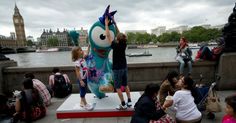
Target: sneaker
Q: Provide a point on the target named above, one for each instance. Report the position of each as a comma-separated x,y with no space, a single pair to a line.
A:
129,104
88,107
121,107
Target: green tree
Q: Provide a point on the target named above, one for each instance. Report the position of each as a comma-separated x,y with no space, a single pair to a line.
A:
165,37
199,34
131,38
52,42
174,36
153,38
139,38
29,43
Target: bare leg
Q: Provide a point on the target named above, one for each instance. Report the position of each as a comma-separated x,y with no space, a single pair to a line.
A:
83,101
127,90
119,92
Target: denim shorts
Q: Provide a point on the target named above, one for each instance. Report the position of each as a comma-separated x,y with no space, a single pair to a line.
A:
120,78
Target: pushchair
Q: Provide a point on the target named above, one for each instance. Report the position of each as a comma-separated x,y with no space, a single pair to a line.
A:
200,99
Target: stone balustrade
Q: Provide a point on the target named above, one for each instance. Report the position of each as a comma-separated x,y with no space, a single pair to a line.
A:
139,74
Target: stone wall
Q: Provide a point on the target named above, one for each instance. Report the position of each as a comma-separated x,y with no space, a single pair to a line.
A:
227,71
3,65
139,75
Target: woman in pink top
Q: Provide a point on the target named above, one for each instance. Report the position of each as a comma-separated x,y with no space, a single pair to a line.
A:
230,110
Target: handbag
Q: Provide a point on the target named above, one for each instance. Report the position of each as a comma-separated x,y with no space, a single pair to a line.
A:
213,102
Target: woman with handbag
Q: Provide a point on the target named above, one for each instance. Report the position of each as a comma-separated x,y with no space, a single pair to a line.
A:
184,54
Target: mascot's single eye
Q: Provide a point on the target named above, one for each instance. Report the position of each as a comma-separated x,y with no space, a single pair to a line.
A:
99,37
102,36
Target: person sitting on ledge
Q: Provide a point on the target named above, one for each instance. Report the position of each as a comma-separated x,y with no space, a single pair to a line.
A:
205,53
184,54
29,105
42,89
60,83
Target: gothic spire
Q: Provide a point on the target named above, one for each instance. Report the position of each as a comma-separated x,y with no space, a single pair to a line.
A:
16,12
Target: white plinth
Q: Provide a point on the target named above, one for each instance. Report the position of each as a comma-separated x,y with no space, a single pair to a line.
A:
105,107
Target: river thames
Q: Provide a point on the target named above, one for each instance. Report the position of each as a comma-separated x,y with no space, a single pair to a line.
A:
51,59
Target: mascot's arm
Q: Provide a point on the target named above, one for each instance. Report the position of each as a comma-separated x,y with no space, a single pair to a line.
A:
77,71
107,31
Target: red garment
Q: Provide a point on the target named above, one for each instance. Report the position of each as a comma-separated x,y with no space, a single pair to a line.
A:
216,51
198,55
228,119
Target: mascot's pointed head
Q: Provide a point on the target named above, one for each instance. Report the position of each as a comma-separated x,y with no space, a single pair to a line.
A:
97,35
107,14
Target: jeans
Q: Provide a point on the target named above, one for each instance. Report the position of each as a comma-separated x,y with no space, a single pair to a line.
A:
206,53
182,63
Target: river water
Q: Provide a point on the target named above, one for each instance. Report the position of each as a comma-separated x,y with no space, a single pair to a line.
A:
52,59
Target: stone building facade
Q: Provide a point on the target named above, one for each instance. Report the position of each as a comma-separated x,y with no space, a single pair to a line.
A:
62,37
9,42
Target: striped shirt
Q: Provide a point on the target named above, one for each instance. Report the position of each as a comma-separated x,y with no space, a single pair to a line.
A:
43,91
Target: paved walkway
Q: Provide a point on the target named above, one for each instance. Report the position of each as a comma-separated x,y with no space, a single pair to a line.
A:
51,114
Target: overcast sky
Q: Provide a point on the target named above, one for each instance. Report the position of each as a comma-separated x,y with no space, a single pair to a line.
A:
131,15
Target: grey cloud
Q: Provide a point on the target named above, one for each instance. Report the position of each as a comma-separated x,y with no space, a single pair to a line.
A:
135,14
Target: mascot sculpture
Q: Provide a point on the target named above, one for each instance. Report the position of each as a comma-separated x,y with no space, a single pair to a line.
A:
98,62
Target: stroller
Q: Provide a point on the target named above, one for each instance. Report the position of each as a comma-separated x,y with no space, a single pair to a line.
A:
202,93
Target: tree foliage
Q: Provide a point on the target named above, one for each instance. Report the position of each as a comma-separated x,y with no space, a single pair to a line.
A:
29,43
195,34
52,42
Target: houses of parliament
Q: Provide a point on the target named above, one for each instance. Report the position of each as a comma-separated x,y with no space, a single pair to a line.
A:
17,39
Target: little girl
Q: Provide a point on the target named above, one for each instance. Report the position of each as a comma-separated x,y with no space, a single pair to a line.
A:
230,110
81,70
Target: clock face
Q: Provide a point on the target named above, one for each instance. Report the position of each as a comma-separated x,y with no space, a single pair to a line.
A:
16,21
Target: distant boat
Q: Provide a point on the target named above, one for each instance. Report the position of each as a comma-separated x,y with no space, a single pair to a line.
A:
193,46
47,50
145,53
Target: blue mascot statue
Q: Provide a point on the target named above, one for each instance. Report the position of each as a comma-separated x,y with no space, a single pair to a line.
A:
99,65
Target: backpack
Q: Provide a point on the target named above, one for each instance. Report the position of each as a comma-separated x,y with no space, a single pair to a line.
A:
61,88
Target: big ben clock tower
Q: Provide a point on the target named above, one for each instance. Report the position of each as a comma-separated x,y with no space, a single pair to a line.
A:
19,28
